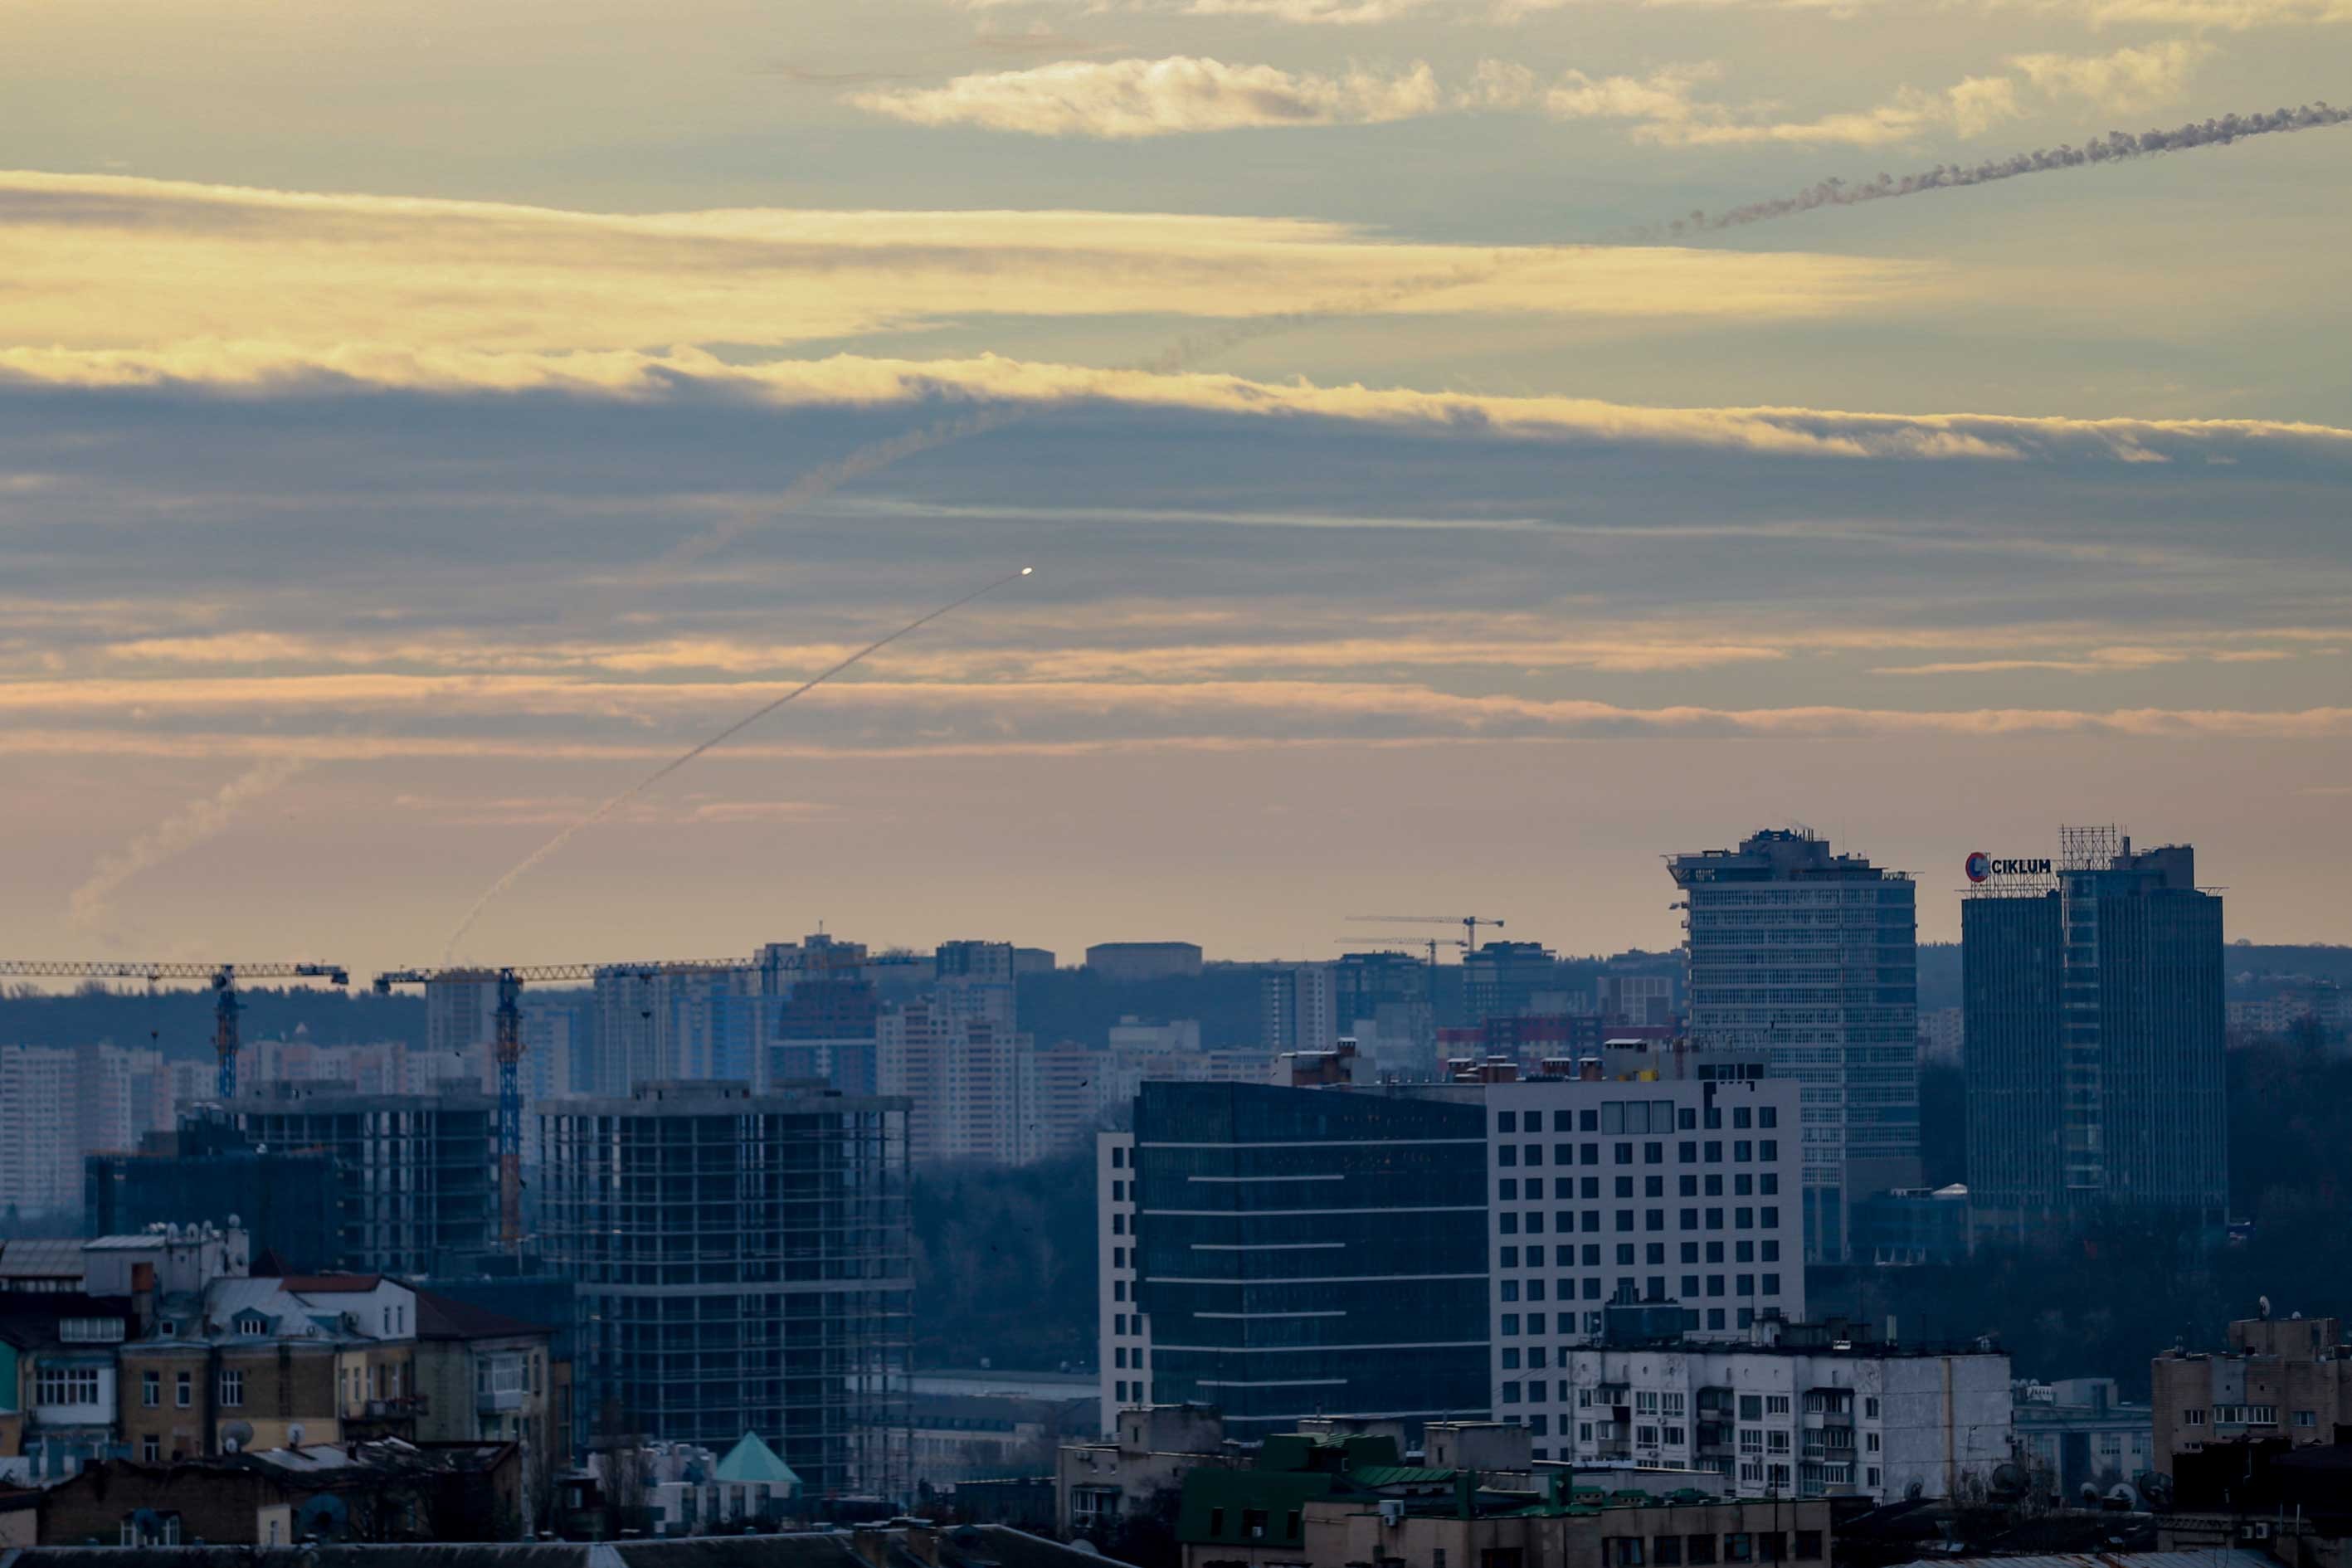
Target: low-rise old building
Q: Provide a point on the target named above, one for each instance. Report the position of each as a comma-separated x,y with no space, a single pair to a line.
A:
58,1380
2289,1377
2079,1433
483,1377
1139,1468
383,1490
1311,1502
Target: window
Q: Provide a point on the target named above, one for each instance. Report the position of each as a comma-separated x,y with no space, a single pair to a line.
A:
1666,1550
1510,1287
1775,1405
1510,1393
183,1389
1507,1122
1534,1155
1625,1551
150,1449
1510,1326
1740,1117
1740,1547
2193,1417
232,1387
1769,1116
1119,1159
1510,1222
1751,1407
150,1389
67,1385
1808,1542
1699,1550
2306,1418
1870,1405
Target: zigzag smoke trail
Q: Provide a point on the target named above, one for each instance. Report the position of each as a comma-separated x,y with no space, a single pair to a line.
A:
634,791
2116,147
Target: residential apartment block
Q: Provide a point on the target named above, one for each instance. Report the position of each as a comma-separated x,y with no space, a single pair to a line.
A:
2280,1377
1813,958
1808,1410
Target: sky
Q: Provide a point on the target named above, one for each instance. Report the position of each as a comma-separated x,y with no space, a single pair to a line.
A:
419,422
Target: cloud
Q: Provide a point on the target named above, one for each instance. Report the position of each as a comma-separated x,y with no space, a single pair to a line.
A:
867,382
105,262
1134,98
1665,107
2122,82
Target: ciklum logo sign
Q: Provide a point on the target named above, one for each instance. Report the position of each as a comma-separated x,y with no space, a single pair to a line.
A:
1983,868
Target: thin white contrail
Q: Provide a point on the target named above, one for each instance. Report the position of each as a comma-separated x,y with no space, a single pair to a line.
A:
634,791
204,817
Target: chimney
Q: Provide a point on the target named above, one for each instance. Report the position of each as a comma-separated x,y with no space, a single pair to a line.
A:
872,1545
923,1540
142,1297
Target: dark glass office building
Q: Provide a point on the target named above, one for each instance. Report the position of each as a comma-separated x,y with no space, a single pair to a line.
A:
204,1171
1313,1252
2094,1016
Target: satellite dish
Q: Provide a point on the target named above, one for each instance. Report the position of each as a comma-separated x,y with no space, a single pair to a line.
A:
1915,1491
294,1436
323,1518
2008,1480
236,1436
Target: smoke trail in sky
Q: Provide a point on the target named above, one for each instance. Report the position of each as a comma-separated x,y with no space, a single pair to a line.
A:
1190,350
2116,147
651,779
200,819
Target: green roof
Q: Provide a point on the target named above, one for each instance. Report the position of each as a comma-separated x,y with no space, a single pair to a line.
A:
750,1461
1399,1476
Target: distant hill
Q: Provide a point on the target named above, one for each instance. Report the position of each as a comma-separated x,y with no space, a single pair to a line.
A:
180,1023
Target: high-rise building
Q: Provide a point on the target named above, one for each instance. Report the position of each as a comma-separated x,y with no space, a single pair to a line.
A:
204,1172
414,1180
1131,961
743,1266
2095,1018
1503,979
966,1077
1662,1184
1307,1252
1813,958
59,1105
817,1015
1382,1001
1296,1007
682,1021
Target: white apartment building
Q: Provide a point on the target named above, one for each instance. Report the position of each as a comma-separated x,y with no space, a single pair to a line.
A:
972,1079
1653,1186
57,1105
1124,1334
1790,1419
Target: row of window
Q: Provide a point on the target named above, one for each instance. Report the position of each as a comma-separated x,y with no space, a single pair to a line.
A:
1509,1189
1688,1152
1510,1221
2246,1415
1699,1550
1566,1324
1566,1255
1742,1285
1631,1116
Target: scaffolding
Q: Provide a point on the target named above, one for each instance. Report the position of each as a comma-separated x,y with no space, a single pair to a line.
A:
743,1263
413,1179
2089,848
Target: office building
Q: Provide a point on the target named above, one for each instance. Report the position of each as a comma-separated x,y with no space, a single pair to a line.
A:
818,1011
414,1177
742,1266
1504,979
2077,1432
2096,1028
1296,1007
1813,958
1810,1409
2279,1378
1123,962
1382,1001
285,1199
1636,998
1306,1251
1668,1185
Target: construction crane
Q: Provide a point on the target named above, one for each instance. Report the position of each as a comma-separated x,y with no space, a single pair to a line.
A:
506,1043
1469,924
223,978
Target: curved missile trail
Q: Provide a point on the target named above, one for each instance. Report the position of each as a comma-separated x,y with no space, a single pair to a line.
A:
449,951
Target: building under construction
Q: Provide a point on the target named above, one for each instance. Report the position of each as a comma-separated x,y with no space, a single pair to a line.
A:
743,1264
415,1181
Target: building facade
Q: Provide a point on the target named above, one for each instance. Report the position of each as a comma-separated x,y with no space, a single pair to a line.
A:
1122,962
2288,1378
1305,1252
1663,1192
2096,1026
1812,957
743,1266
415,1176
1820,1411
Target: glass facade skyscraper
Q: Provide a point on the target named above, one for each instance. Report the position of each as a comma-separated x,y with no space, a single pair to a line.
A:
2095,1018
1301,1252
